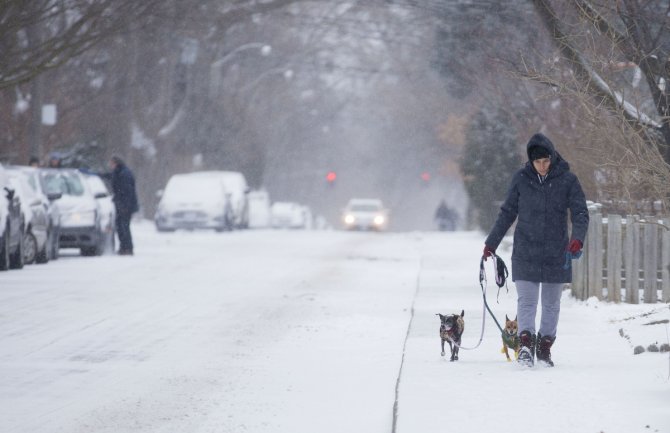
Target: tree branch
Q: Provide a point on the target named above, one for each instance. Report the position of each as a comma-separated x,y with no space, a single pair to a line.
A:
592,82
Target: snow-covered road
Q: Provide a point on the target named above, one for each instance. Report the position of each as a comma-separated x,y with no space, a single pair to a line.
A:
295,331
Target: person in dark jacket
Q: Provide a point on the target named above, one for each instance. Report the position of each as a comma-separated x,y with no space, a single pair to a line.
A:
445,217
539,198
125,201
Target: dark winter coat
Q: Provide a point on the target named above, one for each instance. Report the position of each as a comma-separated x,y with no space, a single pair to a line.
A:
541,210
123,189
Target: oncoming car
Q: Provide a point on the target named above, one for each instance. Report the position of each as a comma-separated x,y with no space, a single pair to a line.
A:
365,214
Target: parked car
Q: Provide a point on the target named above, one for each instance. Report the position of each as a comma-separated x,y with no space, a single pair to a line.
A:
193,201
80,216
36,234
11,225
365,214
107,209
259,209
236,186
48,202
287,215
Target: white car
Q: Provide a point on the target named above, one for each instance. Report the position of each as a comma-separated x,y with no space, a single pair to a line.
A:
237,189
80,216
11,225
37,235
107,209
287,215
48,200
259,209
194,201
365,214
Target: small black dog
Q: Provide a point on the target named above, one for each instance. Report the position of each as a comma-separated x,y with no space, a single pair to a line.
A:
451,330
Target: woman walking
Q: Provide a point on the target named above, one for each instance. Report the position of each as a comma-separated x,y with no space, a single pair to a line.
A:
539,198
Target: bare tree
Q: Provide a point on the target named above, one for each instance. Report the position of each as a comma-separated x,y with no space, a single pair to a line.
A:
40,35
614,61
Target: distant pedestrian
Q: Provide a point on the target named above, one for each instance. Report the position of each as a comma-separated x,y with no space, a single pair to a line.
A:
539,198
445,217
34,161
125,201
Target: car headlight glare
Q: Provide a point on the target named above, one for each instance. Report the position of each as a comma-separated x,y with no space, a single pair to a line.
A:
86,218
379,220
349,219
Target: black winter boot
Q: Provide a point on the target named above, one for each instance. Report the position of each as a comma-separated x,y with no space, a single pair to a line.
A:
544,349
527,349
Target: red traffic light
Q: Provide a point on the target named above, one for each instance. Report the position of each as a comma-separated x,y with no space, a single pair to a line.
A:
331,176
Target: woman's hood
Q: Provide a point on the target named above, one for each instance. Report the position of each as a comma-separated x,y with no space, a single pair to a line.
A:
541,140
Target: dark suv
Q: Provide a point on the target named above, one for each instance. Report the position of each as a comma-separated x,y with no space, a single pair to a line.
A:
11,226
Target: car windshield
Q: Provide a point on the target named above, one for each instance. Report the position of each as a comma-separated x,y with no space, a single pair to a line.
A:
64,183
364,207
194,189
30,178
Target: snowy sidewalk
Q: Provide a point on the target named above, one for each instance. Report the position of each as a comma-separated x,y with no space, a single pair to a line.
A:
598,385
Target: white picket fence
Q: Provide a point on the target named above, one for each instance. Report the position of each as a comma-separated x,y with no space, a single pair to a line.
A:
625,259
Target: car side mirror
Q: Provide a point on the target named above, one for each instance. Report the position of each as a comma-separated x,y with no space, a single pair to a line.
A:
159,193
101,195
54,196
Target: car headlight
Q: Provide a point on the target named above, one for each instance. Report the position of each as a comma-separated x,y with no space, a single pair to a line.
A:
349,219
379,220
78,219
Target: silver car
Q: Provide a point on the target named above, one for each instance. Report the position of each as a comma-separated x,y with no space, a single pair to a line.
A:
47,199
37,235
80,216
365,214
11,225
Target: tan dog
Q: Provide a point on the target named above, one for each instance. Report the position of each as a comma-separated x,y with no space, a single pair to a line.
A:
510,338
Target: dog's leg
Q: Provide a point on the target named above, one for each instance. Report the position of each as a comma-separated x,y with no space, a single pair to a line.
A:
451,349
504,350
443,347
454,356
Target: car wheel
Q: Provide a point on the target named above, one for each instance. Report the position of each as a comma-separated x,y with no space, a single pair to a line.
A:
29,248
4,250
16,258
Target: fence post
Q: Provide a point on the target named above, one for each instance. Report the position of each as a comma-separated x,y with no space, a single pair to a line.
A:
665,262
614,258
650,263
631,258
595,255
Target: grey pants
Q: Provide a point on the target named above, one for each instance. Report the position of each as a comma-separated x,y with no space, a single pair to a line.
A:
528,293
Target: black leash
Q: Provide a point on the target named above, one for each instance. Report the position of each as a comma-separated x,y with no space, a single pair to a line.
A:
501,280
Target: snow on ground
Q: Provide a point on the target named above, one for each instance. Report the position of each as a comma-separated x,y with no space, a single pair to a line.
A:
297,331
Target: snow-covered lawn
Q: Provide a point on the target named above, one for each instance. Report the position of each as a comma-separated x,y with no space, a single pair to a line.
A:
298,331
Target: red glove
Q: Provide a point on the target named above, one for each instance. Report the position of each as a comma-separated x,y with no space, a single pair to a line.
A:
488,252
575,246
